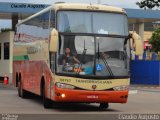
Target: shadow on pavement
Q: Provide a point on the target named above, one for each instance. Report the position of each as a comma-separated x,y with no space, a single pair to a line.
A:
76,107
63,107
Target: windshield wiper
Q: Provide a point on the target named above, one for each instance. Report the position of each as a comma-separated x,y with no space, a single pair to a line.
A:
84,50
105,62
107,66
98,53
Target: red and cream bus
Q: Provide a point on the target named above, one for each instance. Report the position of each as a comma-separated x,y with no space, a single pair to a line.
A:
73,53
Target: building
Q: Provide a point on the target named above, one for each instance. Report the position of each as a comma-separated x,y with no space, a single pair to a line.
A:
138,21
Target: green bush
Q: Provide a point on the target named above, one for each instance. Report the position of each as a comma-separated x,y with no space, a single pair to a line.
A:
6,29
155,40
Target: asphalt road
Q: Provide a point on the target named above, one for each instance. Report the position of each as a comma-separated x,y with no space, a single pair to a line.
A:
141,101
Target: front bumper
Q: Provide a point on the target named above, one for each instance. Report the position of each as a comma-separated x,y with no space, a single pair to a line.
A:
67,95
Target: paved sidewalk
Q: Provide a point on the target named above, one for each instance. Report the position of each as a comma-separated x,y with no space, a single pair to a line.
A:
7,87
145,86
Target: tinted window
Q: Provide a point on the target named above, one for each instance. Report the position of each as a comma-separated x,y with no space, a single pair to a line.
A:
6,51
36,28
92,22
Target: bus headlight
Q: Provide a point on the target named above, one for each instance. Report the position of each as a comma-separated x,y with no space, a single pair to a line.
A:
119,88
64,86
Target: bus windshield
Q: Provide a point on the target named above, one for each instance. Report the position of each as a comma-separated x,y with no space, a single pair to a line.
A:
93,56
92,22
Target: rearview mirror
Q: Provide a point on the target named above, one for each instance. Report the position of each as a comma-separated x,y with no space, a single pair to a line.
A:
137,44
53,41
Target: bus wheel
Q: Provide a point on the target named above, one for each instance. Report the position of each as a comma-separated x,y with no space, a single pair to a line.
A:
21,93
104,105
19,89
46,103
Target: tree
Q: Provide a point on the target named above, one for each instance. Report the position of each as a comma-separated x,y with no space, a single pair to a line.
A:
5,29
155,40
148,4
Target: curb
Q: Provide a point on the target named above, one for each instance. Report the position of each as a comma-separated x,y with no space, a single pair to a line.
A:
144,87
133,92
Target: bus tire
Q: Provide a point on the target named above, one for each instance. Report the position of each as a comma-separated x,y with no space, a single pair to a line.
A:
104,105
46,102
16,84
19,89
21,92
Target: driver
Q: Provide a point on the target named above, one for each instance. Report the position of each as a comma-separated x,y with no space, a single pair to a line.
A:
68,58
104,55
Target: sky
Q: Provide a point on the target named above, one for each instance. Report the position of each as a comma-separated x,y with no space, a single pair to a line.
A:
119,3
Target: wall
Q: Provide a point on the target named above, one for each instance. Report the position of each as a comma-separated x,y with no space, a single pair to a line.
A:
145,72
6,65
147,35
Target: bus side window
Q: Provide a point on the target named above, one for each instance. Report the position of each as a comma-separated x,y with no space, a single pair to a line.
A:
52,64
51,26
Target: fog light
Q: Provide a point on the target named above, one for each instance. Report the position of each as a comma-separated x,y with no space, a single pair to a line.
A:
63,95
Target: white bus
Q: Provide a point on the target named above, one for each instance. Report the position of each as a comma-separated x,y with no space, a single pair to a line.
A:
73,53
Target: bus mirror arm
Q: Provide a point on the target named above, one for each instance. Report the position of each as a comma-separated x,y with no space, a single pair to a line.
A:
137,43
53,41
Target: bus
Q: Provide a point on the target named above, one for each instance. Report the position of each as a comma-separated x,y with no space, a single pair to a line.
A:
72,52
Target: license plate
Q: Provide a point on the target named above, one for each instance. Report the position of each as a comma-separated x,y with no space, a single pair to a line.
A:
92,96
